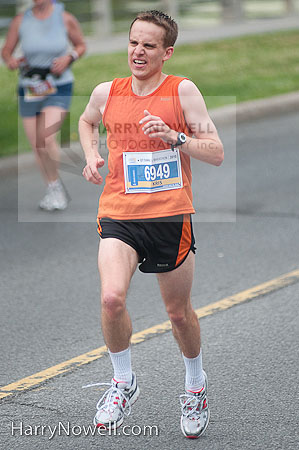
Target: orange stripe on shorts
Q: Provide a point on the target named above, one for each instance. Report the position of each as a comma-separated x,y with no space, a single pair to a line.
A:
185,242
99,226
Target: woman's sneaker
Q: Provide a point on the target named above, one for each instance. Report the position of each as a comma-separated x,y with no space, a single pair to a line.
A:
56,197
195,412
115,403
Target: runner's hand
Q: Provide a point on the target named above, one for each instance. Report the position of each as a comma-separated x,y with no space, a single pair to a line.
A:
60,64
13,63
155,128
90,171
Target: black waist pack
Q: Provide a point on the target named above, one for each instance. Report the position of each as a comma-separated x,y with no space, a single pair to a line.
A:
42,72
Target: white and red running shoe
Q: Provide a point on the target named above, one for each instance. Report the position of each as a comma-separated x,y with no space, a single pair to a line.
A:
195,412
115,403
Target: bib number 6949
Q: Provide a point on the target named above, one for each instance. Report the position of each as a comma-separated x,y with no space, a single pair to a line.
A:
151,173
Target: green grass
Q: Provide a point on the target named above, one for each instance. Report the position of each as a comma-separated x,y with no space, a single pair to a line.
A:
245,68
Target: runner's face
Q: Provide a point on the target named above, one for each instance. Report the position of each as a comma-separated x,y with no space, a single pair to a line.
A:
146,52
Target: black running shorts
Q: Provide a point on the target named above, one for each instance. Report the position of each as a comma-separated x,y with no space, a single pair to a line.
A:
162,244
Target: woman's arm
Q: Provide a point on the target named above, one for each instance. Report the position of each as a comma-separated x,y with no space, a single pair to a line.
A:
76,37
11,41
75,34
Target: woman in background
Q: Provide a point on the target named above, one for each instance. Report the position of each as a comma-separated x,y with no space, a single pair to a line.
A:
45,83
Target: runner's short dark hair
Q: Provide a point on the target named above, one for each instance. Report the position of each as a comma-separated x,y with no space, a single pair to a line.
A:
162,20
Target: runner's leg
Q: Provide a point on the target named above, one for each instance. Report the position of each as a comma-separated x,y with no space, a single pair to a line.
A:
49,123
117,263
175,287
176,290
30,127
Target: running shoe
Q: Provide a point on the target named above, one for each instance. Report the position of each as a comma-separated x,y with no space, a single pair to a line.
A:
55,198
195,412
116,403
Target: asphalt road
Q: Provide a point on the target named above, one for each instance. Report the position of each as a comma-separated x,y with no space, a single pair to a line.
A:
246,227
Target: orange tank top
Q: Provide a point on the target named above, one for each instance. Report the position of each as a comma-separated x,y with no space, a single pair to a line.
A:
121,118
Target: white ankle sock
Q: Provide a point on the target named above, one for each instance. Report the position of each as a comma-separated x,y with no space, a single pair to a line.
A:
55,183
194,380
121,362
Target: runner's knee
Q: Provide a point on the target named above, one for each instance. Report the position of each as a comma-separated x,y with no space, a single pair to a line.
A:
113,303
180,315
43,143
178,318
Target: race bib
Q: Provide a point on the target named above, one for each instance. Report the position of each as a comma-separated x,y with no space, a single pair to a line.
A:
37,89
152,171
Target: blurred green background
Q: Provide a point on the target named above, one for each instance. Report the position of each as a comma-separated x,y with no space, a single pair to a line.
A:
191,13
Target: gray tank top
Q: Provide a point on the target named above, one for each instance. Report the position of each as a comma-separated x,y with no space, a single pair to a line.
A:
43,40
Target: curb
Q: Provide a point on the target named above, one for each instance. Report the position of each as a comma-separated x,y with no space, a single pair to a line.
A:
225,115
256,109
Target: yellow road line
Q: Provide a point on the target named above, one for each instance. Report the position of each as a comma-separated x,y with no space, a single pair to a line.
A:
226,303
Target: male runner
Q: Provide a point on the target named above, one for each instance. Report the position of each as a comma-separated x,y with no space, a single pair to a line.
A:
145,209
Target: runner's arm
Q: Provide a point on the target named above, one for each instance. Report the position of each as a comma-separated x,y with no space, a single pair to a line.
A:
206,144
89,132
75,33
11,41
76,37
